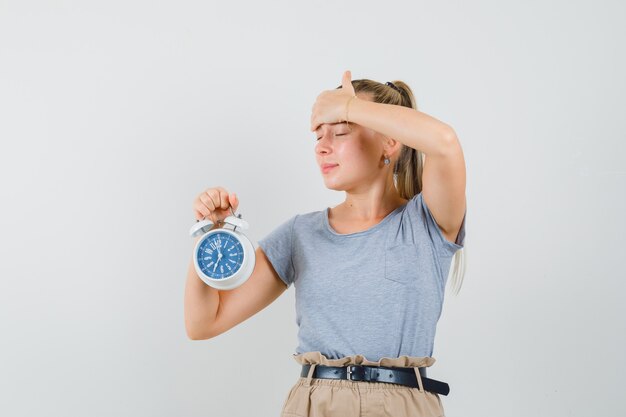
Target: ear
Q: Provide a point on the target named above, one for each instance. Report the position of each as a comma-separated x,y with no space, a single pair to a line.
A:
391,146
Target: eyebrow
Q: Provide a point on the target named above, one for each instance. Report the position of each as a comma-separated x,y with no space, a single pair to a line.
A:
331,124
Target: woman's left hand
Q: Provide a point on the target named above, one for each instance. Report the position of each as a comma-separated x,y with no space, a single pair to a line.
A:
330,105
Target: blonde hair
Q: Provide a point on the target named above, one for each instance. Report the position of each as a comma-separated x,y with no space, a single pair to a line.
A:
407,171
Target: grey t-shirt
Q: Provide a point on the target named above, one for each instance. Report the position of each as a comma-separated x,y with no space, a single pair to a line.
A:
377,293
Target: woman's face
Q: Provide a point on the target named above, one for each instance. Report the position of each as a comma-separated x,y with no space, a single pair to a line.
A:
357,152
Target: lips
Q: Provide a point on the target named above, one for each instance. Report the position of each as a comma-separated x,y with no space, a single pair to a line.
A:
328,167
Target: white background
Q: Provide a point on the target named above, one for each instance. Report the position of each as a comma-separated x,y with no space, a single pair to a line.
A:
115,115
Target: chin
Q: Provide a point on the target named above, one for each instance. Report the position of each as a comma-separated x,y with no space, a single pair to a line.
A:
333,186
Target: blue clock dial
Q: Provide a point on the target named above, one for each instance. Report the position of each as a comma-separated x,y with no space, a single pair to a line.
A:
220,255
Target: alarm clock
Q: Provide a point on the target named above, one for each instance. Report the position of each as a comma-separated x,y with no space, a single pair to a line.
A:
224,257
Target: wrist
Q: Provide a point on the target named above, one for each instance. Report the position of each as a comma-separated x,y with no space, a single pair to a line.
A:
347,109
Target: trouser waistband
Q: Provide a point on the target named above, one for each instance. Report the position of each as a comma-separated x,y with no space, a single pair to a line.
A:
392,375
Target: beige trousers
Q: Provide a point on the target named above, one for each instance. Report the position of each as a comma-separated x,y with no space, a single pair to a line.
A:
318,397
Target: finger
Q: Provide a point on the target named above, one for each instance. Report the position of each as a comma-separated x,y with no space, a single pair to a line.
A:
204,207
209,199
346,82
199,215
201,211
223,199
233,201
222,203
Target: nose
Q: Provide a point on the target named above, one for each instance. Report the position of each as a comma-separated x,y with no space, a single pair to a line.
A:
324,144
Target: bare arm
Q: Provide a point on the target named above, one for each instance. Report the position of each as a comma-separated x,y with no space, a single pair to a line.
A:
443,187
201,302
444,167
210,312
411,127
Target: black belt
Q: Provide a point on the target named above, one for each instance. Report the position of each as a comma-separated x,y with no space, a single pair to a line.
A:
401,376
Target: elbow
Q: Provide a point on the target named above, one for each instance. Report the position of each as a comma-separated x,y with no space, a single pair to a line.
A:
449,143
194,334
190,334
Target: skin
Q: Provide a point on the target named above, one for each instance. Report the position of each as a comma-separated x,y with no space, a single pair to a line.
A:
361,174
377,130
368,184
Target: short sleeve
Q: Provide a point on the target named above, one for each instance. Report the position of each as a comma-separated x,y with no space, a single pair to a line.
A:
277,246
436,234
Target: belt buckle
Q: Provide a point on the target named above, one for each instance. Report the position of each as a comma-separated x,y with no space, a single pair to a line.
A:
350,371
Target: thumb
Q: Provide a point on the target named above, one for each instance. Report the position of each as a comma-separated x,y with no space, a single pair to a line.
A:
346,82
234,201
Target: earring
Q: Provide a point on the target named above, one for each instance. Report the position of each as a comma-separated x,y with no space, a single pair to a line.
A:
387,161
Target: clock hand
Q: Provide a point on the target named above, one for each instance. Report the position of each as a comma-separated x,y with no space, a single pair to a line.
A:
219,257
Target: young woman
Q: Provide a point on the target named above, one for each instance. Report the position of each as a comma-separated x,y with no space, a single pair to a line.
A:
370,273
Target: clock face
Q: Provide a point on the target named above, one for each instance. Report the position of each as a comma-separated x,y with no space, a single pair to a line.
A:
220,255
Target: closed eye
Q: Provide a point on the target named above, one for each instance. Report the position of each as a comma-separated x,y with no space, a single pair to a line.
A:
341,134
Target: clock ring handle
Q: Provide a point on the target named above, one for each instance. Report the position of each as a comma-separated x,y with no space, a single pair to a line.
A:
232,212
222,221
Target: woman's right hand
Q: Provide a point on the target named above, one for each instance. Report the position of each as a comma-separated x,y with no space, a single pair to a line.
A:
215,204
